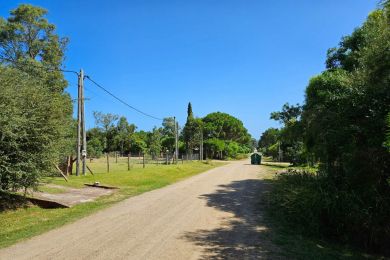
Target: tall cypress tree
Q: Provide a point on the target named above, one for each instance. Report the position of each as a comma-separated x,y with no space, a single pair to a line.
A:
190,115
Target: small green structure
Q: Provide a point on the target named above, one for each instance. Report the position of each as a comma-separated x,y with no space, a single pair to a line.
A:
256,158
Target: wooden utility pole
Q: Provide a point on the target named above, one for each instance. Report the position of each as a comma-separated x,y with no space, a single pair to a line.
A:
84,134
78,148
81,149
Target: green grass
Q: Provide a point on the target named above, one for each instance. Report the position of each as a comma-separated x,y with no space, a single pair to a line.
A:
24,223
293,243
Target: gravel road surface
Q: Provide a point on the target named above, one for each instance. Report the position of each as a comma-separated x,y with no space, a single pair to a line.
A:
213,215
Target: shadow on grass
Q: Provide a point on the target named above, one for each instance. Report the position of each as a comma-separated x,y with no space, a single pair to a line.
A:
9,201
276,165
246,236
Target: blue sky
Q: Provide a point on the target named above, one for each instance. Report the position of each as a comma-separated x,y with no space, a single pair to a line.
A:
246,58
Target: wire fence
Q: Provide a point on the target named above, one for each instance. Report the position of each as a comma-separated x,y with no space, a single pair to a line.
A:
115,162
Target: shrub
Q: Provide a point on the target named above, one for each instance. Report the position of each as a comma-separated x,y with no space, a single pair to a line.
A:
317,206
31,129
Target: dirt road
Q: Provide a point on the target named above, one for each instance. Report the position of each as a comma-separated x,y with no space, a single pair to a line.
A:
211,215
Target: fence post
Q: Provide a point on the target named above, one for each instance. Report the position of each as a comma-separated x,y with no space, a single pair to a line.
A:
143,160
128,161
108,162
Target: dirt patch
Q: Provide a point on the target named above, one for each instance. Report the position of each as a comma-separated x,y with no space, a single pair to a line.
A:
72,196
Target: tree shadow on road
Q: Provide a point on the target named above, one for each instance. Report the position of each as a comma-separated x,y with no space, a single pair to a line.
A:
247,235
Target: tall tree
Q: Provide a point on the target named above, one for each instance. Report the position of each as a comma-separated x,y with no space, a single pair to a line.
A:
154,142
29,42
190,114
191,130
107,123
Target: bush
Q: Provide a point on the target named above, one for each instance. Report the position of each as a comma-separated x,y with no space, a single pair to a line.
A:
31,129
316,206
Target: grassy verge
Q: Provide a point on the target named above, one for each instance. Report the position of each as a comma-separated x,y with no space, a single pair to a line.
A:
24,223
294,242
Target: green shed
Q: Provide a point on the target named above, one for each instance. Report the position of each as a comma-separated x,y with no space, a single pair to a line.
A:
256,158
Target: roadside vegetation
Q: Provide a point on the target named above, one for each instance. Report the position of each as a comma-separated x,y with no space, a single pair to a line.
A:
342,130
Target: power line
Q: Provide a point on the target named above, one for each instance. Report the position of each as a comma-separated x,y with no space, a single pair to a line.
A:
86,76
40,66
120,100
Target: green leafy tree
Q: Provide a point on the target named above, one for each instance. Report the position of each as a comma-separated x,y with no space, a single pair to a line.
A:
344,119
123,134
95,142
214,148
106,122
269,138
225,127
154,142
29,42
138,142
30,126
192,130
291,135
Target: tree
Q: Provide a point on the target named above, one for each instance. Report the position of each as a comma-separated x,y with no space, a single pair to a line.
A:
154,142
138,142
344,119
30,136
29,42
214,148
106,123
95,142
269,137
225,127
192,130
290,136
288,114
123,134
168,127
190,114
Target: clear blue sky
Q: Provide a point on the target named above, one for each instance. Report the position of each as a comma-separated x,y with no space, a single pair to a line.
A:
246,58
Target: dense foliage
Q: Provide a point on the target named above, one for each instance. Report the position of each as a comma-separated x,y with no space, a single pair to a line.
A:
30,137
224,136
36,114
344,127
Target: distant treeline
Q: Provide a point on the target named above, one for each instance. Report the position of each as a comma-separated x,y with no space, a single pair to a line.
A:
223,136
